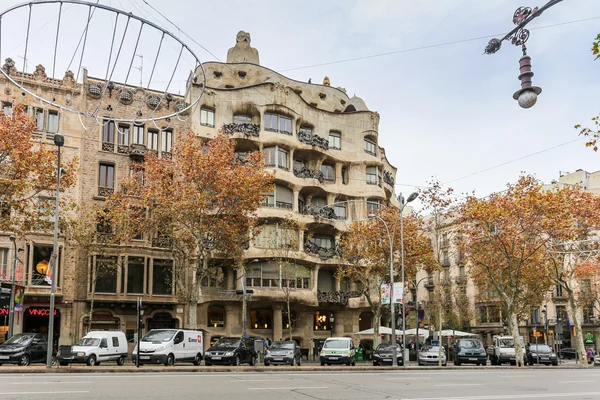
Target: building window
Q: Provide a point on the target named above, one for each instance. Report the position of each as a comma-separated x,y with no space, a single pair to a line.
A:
321,322
271,275
5,273
370,147
162,277
372,174
123,135
325,242
278,123
39,119
365,321
261,319
53,121
153,139
108,131
136,267
559,291
167,140
138,134
273,236
345,178
277,157
328,172
216,317
105,275
41,265
588,315
107,177
242,119
535,315
207,117
281,197
561,313
340,211
335,140
7,108
373,206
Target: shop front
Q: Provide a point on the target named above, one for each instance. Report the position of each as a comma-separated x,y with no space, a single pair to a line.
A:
36,320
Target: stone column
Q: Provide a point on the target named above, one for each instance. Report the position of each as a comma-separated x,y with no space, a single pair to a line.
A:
338,284
230,279
238,283
315,278
301,240
277,322
296,197
338,324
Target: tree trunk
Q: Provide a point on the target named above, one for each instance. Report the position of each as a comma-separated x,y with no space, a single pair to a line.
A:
94,279
193,299
440,349
579,345
289,315
513,327
376,325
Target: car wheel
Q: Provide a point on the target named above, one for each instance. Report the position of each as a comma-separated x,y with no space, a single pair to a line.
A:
253,361
91,361
375,364
121,361
555,363
238,360
293,363
444,364
198,360
62,364
322,364
97,363
457,362
170,360
207,364
267,364
353,363
24,360
400,363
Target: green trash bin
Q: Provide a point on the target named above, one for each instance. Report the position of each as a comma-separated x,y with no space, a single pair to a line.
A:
359,354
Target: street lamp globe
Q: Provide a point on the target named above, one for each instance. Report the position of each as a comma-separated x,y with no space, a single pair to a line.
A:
527,99
59,140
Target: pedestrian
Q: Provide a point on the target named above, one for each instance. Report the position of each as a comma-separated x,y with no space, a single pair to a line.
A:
590,355
267,344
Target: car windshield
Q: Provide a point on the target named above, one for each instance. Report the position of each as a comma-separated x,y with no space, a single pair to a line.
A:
227,342
89,342
542,348
431,349
159,335
336,344
283,346
19,339
507,343
469,344
387,347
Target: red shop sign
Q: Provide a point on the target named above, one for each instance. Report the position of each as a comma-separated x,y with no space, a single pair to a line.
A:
39,312
4,311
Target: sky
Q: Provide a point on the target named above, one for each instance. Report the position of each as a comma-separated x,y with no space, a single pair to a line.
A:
446,109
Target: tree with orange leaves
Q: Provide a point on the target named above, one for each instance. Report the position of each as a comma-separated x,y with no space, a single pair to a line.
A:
202,201
27,173
366,247
574,250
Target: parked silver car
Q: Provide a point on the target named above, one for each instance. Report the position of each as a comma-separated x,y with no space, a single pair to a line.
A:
429,355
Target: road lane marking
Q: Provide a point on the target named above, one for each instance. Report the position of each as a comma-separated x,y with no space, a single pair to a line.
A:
289,388
458,384
48,383
259,380
577,382
508,396
60,392
408,377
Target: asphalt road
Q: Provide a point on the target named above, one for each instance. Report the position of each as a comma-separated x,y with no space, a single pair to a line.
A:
392,385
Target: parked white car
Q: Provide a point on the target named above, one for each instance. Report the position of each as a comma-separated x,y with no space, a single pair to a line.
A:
338,350
168,346
94,348
429,355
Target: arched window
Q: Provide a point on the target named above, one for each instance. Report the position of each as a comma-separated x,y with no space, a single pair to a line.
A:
215,317
262,319
365,321
284,319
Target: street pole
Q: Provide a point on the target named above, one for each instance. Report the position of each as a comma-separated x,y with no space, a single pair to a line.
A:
404,349
59,141
11,306
417,308
244,311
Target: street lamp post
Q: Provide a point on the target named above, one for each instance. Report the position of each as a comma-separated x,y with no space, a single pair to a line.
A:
59,141
416,284
331,321
11,306
527,95
403,203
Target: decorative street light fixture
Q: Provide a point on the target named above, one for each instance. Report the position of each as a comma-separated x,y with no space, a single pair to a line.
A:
59,141
11,306
527,95
331,321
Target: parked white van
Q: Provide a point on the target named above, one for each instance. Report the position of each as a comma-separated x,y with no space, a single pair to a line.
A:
167,346
94,348
338,350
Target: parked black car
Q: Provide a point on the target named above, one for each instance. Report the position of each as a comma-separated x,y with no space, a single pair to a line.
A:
568,354
383,354
469,351
283,352
540,354
231,351
24,349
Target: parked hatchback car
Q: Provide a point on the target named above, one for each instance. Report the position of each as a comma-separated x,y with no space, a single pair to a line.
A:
540,354
231,351
283,352
469,351
429,355
382,355
24,349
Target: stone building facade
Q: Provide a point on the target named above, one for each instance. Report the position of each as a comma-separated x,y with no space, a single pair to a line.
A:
323,146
